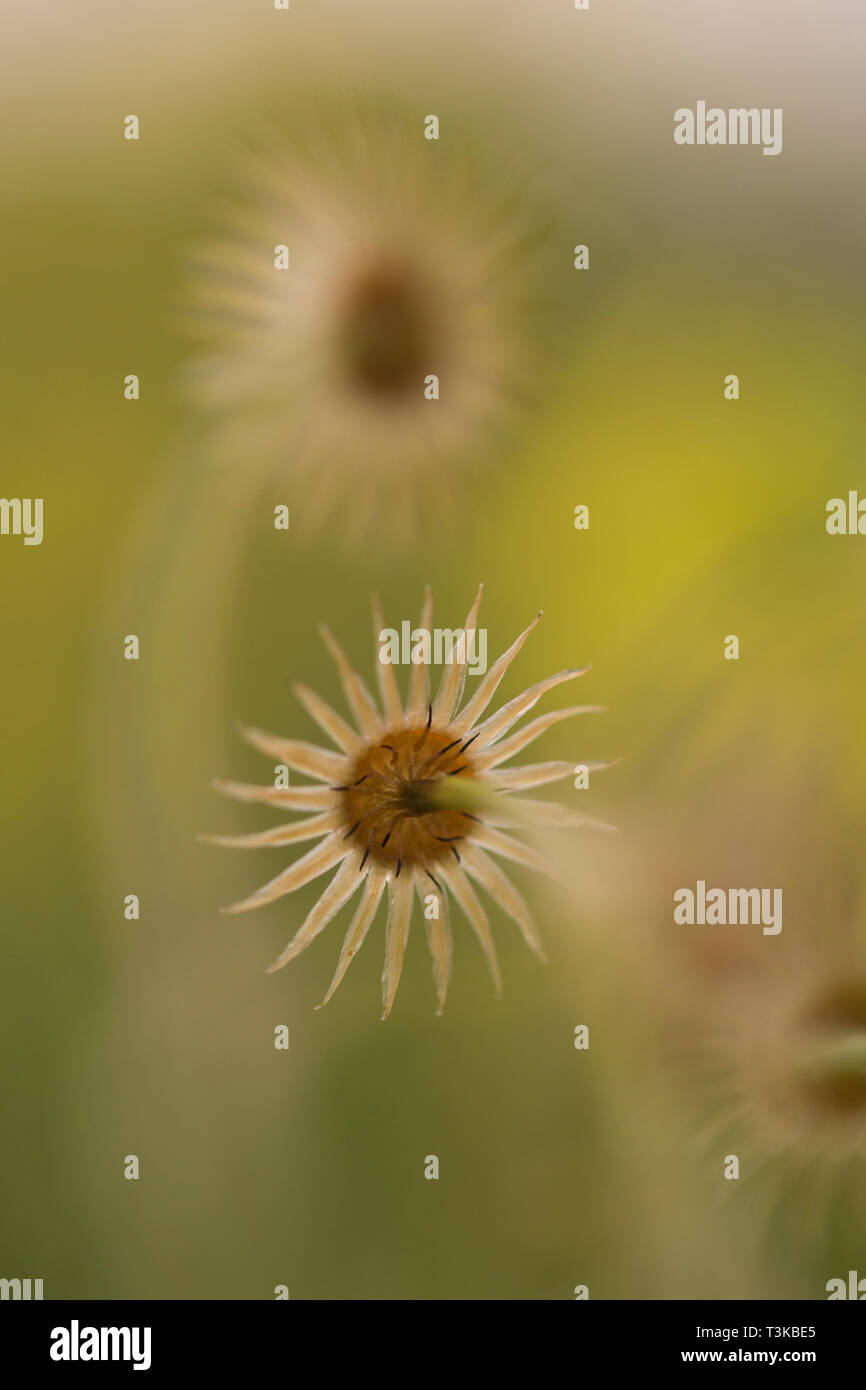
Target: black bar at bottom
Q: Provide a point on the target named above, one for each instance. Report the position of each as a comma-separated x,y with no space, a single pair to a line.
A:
63,1338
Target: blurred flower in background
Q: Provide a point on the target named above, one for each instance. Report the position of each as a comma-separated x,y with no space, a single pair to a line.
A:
370,317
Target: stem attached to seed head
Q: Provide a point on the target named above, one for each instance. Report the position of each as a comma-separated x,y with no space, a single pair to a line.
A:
841,1057
462,794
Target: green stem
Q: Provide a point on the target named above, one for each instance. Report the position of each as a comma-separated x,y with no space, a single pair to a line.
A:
841,1056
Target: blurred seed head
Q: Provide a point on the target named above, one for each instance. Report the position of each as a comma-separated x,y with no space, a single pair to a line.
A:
408,258
777,1040
792,1059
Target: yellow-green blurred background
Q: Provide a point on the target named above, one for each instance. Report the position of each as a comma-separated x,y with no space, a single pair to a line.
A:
558,1167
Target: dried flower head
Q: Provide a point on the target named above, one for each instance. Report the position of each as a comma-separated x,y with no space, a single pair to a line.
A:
411,803
406,262
790,1059
779,1035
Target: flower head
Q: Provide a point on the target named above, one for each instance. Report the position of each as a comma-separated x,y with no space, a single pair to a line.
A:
406,262
789,1056
410,802
773,1028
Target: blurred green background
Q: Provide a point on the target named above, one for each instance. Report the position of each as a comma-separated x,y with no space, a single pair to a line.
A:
155,1037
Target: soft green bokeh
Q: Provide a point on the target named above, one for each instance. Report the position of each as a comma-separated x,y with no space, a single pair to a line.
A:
707,518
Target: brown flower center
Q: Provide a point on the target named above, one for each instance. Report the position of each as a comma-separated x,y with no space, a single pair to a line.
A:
385,332
838,1018
393,803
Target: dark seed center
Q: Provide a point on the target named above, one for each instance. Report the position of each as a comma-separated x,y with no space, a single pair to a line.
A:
386,333
838,1014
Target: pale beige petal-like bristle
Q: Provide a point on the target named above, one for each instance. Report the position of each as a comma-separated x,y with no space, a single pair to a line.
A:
500,752
288,798
538,774
328,720
477,704
464,894
438,930
290,834
502,890
450,691
328,767
493,728
374,886
385,675
359,699
509,848
518,813
345,883
419,677
315,862
396,935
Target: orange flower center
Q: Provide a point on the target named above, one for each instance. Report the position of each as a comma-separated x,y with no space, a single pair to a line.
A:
389,803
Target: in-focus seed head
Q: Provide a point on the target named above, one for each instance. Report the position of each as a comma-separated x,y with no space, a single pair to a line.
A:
411,801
